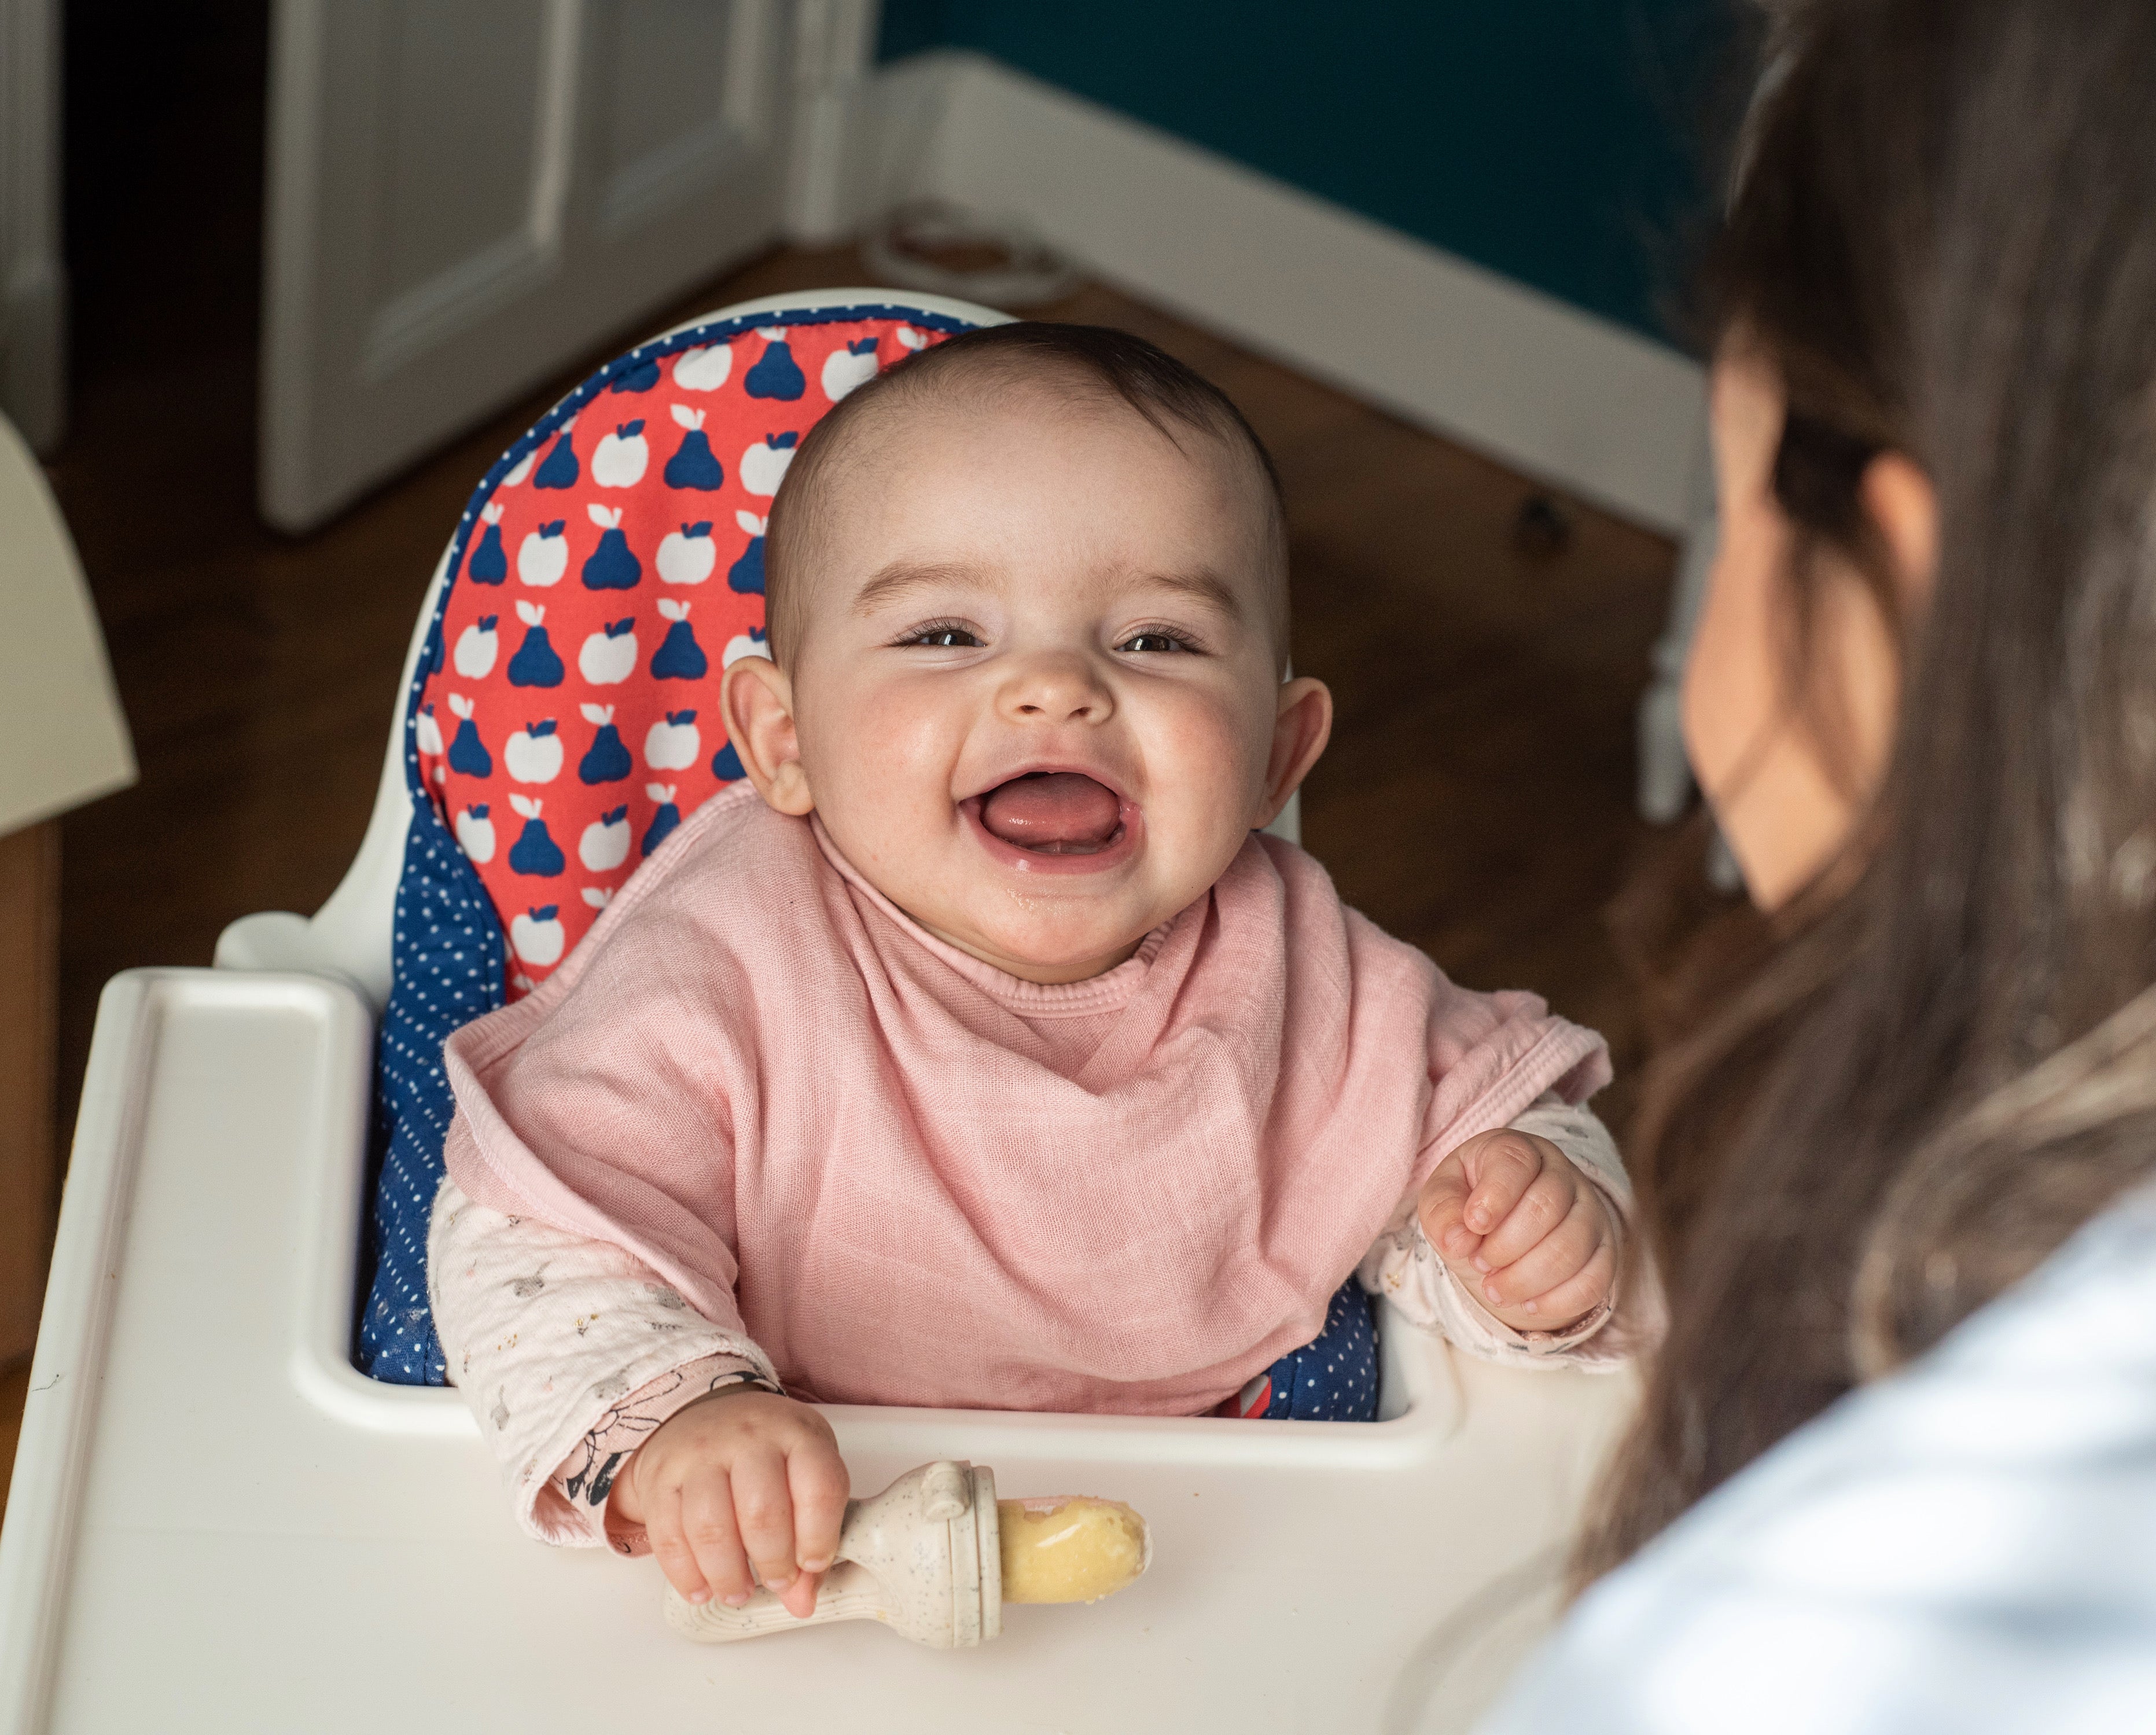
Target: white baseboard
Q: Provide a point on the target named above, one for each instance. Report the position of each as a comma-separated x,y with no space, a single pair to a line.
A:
1565,396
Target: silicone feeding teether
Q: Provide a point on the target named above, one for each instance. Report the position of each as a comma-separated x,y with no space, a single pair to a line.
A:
936,1555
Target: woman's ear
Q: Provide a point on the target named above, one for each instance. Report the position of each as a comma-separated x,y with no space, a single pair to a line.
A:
1302,727
1906,507
755,697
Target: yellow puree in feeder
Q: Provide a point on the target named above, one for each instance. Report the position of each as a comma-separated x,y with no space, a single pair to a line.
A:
1075,1550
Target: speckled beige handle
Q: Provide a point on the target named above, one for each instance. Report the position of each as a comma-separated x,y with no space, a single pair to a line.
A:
923,1557
851,1593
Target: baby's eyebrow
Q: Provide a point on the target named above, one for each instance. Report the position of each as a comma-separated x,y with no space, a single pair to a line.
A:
1201,585
902,577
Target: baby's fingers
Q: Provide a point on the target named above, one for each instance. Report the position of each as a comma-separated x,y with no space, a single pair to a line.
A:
1444,1199
700,1550
1543,1204
1506,1165
1579,1294
670,1547
816,1478
1554,1259
763,1508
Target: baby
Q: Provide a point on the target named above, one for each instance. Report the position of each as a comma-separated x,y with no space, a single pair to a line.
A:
979,1050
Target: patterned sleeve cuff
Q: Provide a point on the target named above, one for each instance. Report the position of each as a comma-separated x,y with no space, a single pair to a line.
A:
1541,1345
583,1484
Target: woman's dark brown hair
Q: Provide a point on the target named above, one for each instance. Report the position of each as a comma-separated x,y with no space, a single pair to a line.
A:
1944,242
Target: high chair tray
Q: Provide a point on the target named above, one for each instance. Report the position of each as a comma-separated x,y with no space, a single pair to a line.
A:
216,1523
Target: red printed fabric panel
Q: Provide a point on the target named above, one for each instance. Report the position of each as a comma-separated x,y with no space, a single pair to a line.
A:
617,567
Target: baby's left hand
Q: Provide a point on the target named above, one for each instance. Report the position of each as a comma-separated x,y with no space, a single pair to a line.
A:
1522,1229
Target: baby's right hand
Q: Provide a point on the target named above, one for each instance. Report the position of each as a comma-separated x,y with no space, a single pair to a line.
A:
744,1475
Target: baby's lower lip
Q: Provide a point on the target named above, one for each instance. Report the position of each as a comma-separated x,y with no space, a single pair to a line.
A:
1121,845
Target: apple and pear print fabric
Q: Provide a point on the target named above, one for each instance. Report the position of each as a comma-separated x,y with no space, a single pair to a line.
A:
564,716
609,576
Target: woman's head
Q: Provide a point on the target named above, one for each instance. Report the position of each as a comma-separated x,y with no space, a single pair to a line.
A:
1933,641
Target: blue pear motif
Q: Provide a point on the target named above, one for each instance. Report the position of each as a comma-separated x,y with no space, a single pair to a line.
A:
778,374
537,663
726,766
536,853
607,760
433,657
612,565
561,468
662,826
642,377
489,564
468,754
745,575
679,656
695,465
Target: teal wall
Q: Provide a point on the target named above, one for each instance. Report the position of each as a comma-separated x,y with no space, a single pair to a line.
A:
1559,142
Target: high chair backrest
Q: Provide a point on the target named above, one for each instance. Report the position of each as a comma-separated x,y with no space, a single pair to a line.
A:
351,936
561,714
565,715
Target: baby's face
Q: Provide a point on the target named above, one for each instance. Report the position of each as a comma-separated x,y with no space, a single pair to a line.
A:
1036,701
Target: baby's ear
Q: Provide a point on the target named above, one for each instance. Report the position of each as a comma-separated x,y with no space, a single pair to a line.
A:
755,697
1301,726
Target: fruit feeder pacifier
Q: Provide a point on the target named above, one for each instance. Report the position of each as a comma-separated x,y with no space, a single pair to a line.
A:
936,1555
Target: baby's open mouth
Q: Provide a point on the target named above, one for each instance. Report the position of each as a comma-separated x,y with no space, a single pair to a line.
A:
1054,812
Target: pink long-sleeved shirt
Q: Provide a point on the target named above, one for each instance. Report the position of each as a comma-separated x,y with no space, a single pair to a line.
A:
861,1161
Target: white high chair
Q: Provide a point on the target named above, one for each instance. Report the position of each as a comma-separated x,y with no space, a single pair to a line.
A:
217,1523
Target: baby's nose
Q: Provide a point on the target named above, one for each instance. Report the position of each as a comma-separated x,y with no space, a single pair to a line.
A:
1057,689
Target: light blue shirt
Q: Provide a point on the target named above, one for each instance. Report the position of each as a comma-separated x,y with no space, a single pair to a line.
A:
1968,1546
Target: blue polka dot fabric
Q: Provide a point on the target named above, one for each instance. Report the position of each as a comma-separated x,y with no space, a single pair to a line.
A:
1331,1378
449,965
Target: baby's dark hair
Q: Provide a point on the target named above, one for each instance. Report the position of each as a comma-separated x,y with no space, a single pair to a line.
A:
1098,361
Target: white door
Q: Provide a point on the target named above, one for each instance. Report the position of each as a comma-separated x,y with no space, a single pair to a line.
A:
465,194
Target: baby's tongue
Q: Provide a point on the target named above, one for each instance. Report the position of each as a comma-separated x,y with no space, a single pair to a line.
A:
1057,812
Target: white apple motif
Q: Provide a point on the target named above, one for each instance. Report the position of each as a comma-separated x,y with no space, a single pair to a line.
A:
604,845
763,465
523,469
537,936
427,732
621,457
543,556
844,369
477,647
597,897
534,753
475,833
704,369
688,555
908,338
673,744
751,644
608,657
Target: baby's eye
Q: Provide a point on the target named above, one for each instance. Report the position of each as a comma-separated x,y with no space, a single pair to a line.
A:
944,638
1153,641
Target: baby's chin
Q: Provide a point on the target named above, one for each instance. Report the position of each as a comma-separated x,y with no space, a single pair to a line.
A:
1045,950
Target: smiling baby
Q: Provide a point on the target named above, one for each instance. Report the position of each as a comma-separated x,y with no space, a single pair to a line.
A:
979,1050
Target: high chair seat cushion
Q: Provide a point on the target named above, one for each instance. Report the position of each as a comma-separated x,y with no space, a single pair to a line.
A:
1331,1378
564,714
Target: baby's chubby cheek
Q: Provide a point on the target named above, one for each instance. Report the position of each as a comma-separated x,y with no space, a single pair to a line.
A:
1205,771
880,765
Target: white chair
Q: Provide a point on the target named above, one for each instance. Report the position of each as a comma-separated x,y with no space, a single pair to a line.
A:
217,1523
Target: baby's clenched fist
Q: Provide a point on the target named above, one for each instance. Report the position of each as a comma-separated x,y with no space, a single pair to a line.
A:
744,1477
1525,1232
